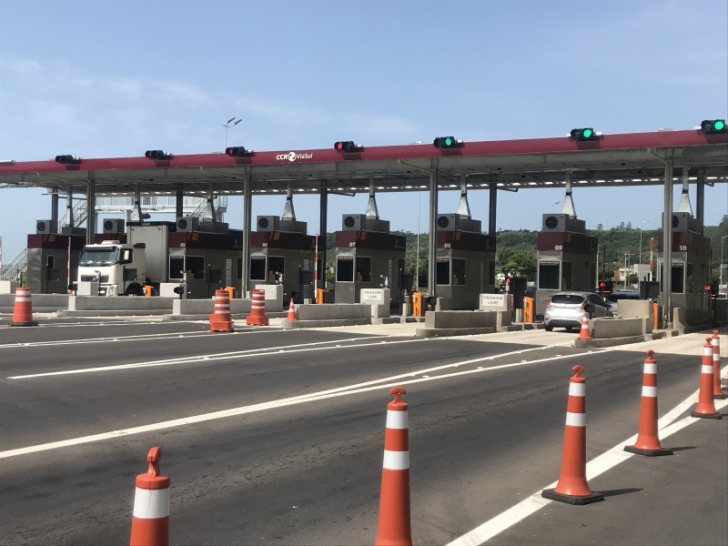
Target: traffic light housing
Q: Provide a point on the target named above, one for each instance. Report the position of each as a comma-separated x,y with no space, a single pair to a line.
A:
238,151
347,146
713,126
447,142
585,134
68,159
157,154
606,287
712,289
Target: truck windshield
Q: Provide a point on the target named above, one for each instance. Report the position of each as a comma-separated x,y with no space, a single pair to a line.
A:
99,256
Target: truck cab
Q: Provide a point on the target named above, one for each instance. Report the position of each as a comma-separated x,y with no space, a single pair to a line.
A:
120,269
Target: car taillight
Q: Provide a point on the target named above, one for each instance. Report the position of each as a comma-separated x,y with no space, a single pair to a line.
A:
548,303
583,304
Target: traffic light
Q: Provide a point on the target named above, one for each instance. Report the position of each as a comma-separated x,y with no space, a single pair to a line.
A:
713,126
447,142
606,287
157,154
508,285
587,133
347,146
238,151
68,159
712,289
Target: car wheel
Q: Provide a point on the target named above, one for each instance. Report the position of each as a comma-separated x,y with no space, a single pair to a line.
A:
569,328
548,328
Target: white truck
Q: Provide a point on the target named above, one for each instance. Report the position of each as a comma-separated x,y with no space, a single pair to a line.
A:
123,269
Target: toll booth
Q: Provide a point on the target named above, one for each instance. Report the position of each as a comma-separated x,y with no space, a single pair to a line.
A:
691,262
566,258
203,261
465,261
368,256
48,262
281,252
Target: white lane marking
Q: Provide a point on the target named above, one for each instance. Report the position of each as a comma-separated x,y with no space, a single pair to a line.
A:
199,358
274,404
202,358
608,460
140,337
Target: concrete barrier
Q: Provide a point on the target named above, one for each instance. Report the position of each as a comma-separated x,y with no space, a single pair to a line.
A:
200,309
462,323
42,303
634,309
116,306
273,297
8,287
325,315
611,331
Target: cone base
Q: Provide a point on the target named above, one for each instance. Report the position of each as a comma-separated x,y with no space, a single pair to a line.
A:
706,415
551,494
257,322
30,323
721,396
648,452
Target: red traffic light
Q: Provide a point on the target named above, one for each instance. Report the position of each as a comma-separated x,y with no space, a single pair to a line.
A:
347,146
238,151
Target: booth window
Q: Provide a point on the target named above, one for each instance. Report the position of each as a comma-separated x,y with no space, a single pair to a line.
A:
257,268
458,272
443,271
363,269
276,267
678,279
196,267
345,269
176,267
548,276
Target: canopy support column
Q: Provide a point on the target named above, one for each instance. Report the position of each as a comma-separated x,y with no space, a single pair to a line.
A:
667,247
323,217
69,206
247,223
90,211
492,206
54,211
432,270
179,202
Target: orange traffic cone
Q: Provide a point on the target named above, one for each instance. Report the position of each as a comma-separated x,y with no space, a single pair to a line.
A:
220,319
648,442
706,407
23,308
150,523
717,389
257,310
584,334
572,487
291,311
394,501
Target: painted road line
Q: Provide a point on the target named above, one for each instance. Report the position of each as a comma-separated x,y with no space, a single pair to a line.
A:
254,408
248,353
595,467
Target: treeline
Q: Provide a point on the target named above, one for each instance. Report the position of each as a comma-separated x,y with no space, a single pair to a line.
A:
516,249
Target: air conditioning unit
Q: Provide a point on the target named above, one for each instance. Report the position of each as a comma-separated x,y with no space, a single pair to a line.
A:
456,222
188,224
554,222
114,225
293,226
354,222
683,222
268,223
44,226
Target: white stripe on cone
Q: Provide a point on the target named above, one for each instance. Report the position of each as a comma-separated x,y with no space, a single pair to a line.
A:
397,419
396,460
151,503
650,392
650,368
575,419
707,369
577,389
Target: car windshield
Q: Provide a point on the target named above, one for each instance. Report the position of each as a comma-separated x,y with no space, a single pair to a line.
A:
99,256
569,299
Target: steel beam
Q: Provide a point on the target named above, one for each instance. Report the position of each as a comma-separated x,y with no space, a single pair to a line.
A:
90,211
179,201
700,198
667,246
323,217
54,210
492,206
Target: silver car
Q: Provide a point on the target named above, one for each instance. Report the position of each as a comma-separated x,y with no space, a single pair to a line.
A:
566,309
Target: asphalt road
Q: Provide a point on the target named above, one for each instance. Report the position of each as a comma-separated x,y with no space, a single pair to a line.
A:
276,437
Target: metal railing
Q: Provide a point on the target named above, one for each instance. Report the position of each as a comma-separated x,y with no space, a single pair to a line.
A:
15,269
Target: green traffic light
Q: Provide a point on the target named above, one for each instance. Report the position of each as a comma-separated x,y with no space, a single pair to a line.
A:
719,125
448,141
587,133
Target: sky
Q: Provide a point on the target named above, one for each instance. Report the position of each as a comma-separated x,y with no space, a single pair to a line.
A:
110,78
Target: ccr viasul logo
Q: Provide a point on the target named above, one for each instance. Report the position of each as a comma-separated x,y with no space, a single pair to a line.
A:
293,156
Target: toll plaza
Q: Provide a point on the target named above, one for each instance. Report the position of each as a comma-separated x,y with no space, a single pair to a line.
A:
566,258
585,156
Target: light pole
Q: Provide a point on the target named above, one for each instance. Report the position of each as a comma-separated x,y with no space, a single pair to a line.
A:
722,264
626,272
232,122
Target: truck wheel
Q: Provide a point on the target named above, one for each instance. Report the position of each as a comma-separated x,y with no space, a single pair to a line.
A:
548,328
135,290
